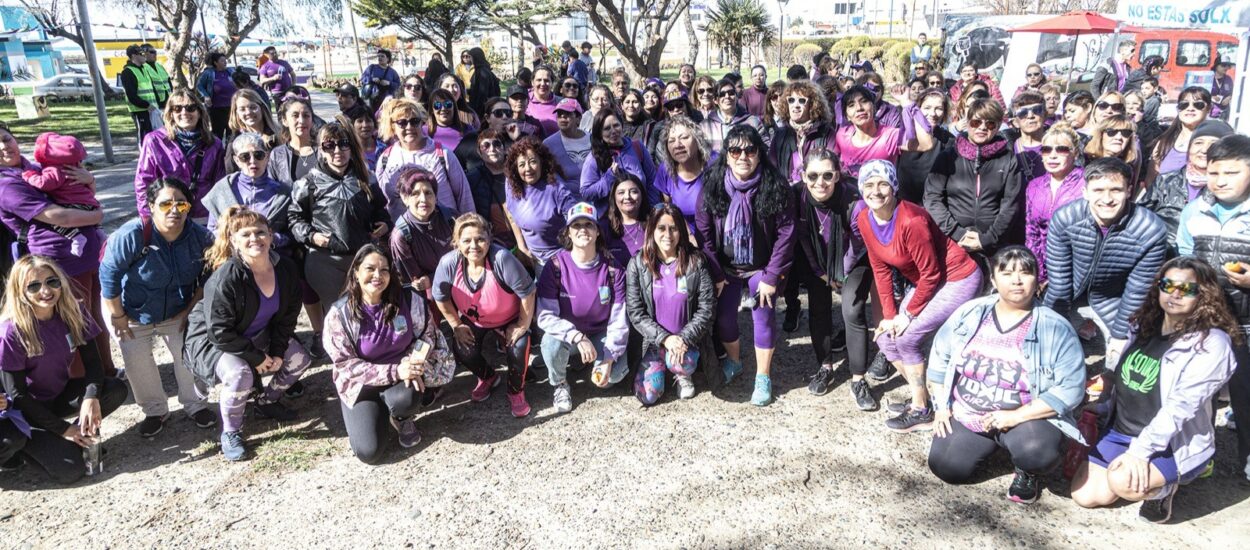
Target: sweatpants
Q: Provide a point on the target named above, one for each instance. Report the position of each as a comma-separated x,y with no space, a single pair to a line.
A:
1239,394
907,347
649,383
1033,446
145,378
239,380
143,124
368,421
763,318
326,273
490,350
62,459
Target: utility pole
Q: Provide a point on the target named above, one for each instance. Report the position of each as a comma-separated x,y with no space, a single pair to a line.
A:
891,27
101,111
781,35
360,64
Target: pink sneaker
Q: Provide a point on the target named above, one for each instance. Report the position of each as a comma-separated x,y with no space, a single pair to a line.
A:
484,385
520,408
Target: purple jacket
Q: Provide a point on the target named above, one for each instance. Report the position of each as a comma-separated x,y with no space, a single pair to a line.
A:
633,158
777,232
160,157
1039,209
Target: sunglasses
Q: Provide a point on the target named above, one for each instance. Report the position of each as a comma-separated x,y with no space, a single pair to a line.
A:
1032,110
977,123
1166,286
1031,75
1103,106
1184,105
829,176
704,90
249,156
182,207
492,144
183,108
798,100
34,287
1121,132
332,146
405,122
727,93
749,150
1061,149
501,113
443,105
413,87
569,85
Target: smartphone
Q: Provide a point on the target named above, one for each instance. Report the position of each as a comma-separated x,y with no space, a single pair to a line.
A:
421,350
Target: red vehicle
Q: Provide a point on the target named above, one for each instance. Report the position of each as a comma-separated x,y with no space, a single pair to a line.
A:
1183,51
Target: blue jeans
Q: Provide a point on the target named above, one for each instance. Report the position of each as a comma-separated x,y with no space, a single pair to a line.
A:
556,354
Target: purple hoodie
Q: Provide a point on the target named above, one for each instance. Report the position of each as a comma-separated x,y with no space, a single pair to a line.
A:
160,157
633,158
1039,209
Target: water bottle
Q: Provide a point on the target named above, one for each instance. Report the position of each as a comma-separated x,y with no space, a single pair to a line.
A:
91,456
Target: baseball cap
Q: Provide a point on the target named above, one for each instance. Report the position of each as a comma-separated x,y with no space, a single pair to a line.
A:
674,96
515,90
347,89
569,105
579,211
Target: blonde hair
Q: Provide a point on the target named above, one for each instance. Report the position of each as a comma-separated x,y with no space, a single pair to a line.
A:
467,220
206,133
396,109
235,218
1063,130
270,123
1094,149
18,309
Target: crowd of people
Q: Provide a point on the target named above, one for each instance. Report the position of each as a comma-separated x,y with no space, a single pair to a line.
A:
977,244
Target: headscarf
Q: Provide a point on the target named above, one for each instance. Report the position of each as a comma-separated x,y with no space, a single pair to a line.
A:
878,169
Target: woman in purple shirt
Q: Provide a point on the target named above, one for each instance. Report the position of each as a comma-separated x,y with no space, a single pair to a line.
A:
449,131
622,225
537,200
685,157
186,149
1062,183
613,154
1172,150
387,351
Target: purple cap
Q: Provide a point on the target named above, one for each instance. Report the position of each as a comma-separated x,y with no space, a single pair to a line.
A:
570,105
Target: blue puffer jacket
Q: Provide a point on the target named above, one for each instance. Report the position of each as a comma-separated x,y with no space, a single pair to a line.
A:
155,279
1116,269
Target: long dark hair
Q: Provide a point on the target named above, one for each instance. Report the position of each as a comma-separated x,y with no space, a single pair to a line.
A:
444,95
1168,139
551,169
687,255
392,296
643,115
774,193
616,220
602,151
1212,311
356,166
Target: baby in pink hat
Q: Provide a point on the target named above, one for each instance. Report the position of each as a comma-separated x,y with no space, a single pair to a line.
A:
55,153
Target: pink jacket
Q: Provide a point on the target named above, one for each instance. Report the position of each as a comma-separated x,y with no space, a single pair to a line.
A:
1039,209
56,152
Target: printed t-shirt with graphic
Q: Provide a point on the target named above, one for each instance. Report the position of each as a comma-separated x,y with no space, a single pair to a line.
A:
1137,398
991,372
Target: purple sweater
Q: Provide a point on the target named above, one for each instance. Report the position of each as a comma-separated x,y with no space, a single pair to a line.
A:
597,185
1039,209
160,157
776,231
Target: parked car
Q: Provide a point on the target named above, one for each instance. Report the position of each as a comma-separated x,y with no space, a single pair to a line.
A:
65,86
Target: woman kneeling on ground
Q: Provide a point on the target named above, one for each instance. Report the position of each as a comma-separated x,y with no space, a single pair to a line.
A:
1009,373
244,327
1160,434
387,351
672,302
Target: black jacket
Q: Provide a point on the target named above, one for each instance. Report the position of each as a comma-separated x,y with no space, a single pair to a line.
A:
1105,79
1167,197
952,199
700,304
484,85
914,167
321,203
217,323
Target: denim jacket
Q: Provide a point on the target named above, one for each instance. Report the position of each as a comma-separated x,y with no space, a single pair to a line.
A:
1051,350
157,279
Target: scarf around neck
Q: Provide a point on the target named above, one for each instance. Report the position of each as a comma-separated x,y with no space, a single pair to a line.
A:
978,154
187,140
739,233
827,249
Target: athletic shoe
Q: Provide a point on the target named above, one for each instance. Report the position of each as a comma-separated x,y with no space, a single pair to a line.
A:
821,381
1157,510
407,430
204,419
763,393
232,446
484,385
296,389
685,387
316,350
881,369
520,408
1024,488
911,420
732,369
275,411
791,322
561,398
1230,420
897,407
863,396
152,425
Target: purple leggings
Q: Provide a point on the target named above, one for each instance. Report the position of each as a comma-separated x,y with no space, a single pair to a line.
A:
764,318
238,382
949,297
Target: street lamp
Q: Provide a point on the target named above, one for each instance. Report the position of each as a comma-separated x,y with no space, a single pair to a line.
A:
781,34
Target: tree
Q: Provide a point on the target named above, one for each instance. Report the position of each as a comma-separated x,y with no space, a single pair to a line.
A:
692,55
60,18
638,29
522,17
738,24
177,18
438,23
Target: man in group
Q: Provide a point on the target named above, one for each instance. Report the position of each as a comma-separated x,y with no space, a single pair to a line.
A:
1216,228
755,97
576,68
571,145
620,84
519,101
157,74
1102,254
589,60
276,76
1111,76
140,94
921,52
348,97
380,80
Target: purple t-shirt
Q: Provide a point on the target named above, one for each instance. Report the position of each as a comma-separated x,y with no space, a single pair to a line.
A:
684,195
285,72
585,294
383,342
20,203
540,215
47,374
223,89
883,147
268,308
448,137
628,245
669,293
1174,160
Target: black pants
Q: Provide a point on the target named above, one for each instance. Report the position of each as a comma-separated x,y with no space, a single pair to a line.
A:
143,124
1033,445
326,273
219,117
1239,393
819,312
62,458
855,316
490,350
368,421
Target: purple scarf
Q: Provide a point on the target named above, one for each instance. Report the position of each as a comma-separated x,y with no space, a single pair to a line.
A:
739,235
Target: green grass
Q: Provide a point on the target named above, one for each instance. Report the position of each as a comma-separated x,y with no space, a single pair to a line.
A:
290,449
75,118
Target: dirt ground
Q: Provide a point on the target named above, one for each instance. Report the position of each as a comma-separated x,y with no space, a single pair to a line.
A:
711,472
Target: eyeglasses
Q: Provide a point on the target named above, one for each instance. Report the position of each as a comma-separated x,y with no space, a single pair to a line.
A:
443,105
748,150
501,113
332,146
1032,110
1031,75
182,207
569,85
492,144
1103,106
817,176
183,108
53,283
977,123
405,122
249,156
412,87
704,91
1166,286
1122,132
1061,149
727,93
795,99
1184,105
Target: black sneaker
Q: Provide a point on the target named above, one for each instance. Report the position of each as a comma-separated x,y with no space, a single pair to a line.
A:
204,419
316,350
276,411
881,368
13,464
863,397
912,420
296,389
821,381
151,426
1158,510
1024,488
791,322
897,407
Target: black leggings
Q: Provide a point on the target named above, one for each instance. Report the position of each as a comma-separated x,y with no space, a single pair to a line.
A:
368,421
819,309
855,316
490,350
219,119
1033,445
1239,394
62,458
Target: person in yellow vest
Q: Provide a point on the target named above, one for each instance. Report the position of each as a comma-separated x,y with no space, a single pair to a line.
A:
158,75
140,93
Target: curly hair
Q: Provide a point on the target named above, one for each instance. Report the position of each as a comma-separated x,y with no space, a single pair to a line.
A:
774,194
1211,312
816,101
702,145
232,220
397,109
550,169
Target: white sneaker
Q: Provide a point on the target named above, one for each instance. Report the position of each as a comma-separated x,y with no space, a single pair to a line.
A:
685,387
562,400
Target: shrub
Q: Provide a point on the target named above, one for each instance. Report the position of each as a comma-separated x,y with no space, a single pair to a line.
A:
804,52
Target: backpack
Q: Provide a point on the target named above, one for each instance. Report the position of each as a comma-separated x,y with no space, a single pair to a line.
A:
146,224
